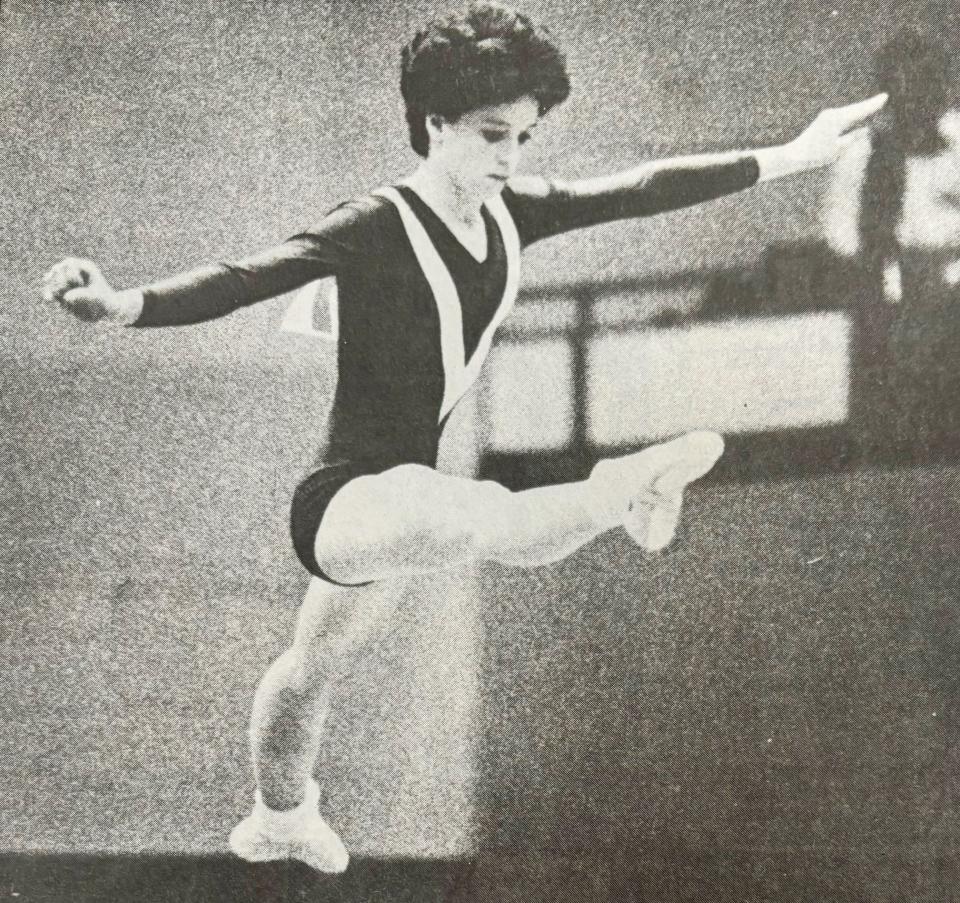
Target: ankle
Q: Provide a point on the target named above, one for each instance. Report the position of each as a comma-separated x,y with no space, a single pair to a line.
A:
285,816
606,495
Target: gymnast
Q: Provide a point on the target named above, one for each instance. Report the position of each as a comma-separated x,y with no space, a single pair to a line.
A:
426,270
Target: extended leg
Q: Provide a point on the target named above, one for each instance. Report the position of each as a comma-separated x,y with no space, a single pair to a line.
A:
411,519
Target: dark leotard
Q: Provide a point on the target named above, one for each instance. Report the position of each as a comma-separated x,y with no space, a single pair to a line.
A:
401,352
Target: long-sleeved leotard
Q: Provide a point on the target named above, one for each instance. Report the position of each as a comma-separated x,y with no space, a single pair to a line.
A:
395,377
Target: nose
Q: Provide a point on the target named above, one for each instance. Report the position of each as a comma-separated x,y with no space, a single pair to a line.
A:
509,156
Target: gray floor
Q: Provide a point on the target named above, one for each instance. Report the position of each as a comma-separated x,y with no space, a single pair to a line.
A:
768,712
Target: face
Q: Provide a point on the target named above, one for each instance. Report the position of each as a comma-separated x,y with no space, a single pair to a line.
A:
481,150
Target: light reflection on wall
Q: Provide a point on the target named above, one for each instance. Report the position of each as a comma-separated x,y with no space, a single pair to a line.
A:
735,377
641,383
529,398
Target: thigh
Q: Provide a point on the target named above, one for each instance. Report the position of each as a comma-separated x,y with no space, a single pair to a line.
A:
309,505
407,519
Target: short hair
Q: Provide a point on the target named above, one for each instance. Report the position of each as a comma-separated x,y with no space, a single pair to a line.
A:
486,56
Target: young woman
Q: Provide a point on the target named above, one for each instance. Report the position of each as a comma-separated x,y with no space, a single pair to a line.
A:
426,270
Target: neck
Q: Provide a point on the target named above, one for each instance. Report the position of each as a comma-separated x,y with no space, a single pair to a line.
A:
447,197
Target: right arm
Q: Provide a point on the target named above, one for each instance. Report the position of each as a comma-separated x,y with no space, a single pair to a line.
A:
211,291
215,291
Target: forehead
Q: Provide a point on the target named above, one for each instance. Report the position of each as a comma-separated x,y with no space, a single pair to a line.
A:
520,114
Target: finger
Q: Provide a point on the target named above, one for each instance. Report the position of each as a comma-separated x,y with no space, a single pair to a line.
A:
57,272
81,304
64,272
79,270
73,270
853,139
53,286
77,296
855,113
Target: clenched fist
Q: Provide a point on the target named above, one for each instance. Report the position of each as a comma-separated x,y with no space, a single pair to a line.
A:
80,287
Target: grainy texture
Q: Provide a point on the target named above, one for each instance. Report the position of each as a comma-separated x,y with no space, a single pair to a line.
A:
767,713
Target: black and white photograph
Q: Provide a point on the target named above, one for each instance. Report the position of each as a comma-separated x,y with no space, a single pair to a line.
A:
480,452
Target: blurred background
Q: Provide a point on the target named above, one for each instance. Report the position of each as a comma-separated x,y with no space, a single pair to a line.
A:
766,712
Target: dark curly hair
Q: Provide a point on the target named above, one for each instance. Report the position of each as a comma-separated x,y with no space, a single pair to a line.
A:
485,56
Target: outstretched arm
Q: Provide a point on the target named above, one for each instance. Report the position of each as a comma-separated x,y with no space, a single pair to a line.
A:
822,142
202,294
214,291
662,185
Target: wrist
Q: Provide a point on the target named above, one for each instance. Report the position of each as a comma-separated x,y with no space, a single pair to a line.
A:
782,160
128,306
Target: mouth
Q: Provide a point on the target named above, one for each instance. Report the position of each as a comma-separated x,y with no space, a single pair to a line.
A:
497,177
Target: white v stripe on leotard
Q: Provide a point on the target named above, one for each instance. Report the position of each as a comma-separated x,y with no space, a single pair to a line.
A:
459,374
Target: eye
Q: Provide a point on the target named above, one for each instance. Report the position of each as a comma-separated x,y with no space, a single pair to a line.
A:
493,136
525,137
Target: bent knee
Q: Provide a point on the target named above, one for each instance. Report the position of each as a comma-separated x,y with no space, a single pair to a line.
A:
334,624
342,557
345,568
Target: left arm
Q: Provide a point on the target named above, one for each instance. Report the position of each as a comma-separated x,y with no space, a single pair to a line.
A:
678,182
821,143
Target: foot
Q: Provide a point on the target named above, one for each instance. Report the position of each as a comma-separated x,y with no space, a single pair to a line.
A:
299,834
657,477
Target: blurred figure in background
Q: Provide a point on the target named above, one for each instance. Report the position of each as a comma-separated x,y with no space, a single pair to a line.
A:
892,214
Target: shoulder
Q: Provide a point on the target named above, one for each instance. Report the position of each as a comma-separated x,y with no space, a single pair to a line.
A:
527,189
535,205
368,211
528,197
351,231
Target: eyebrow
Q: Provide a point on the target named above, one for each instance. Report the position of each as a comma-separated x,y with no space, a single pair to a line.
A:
504,124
